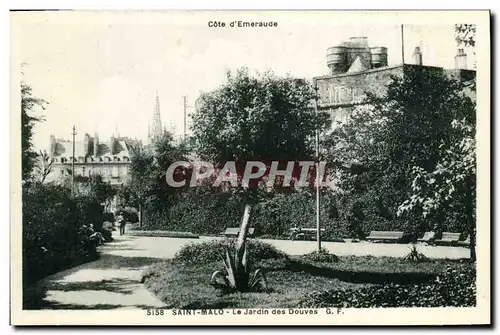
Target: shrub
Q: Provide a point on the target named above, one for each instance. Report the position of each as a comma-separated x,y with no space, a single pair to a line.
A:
209,211
108,216
266,237
52,235
454,288
212,251
323,256
130,214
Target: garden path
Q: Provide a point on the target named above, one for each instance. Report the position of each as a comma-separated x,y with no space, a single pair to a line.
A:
114,281
111,282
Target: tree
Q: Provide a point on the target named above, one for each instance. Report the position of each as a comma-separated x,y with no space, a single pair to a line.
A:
29,106
44,166
465,35
94,187
451,185
377,151
141,181
256,118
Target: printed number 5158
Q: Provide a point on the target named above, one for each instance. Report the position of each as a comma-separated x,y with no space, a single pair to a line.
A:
155,312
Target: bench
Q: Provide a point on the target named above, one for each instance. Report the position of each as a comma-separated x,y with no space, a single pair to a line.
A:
448,239
303,233
465,243
385,236
235,231
428,237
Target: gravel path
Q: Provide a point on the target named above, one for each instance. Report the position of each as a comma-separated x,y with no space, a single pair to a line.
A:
113,281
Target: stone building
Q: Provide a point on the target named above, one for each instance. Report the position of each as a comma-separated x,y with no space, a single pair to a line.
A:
356,68
111,158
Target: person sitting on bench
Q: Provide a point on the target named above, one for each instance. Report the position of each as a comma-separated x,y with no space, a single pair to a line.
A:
295,232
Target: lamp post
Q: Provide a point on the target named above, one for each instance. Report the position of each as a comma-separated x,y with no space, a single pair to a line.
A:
318,228
185,107
73,133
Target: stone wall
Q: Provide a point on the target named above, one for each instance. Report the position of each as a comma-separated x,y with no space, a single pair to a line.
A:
114,173
341,93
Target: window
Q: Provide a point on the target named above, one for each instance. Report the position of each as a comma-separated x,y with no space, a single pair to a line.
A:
115,173
338,94
331,94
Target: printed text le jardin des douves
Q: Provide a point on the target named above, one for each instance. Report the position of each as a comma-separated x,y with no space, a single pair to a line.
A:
244,311
242,24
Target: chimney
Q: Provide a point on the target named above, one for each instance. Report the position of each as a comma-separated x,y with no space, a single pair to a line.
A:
113,145
52,147
96,144
86,145
417,56
461,60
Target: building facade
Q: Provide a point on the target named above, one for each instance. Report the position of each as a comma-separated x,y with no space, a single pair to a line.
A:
111,159
355,68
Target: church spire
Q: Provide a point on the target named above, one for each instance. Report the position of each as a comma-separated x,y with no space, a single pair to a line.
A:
156,131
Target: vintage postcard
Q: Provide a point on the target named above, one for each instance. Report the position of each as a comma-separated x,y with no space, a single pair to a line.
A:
250,168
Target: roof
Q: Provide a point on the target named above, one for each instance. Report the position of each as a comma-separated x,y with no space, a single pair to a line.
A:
357,66
64,149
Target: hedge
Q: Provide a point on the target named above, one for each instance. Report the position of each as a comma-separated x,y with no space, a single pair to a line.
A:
454,288
209,212
52,235
212,251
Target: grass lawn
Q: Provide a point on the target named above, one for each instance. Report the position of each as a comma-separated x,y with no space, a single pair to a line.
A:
186,285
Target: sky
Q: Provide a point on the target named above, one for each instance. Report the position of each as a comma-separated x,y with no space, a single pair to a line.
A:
101,72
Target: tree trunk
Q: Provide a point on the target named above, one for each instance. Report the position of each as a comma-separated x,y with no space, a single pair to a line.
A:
471,222
473,244
141,215
242,236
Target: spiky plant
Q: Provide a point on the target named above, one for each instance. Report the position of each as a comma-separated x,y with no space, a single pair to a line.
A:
238,275
415,256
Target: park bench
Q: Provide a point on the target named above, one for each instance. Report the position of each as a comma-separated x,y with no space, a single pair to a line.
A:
235,231
465,243
448,239
385,236
428,237
303,233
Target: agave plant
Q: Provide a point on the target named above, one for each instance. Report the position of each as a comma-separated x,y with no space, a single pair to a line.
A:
238,276
415,256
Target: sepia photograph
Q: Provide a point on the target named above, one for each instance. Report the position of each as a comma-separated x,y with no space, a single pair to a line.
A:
257,168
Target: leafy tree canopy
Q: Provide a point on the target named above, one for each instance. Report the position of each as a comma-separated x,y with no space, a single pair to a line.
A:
257,118
30,106
377,151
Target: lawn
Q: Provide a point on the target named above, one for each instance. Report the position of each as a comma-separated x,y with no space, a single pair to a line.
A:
185,285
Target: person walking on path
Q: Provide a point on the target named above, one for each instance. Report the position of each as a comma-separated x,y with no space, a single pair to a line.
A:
121,223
